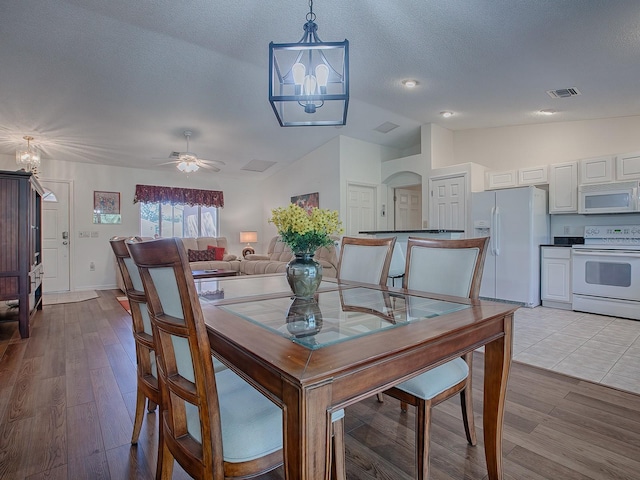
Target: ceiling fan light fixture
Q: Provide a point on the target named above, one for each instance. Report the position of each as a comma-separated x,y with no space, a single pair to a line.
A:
309,80
187,166
188,162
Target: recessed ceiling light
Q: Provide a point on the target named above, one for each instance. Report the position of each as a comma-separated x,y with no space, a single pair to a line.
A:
410,83
547,111
446,114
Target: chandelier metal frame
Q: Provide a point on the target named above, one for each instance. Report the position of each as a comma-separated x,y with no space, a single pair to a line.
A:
320,88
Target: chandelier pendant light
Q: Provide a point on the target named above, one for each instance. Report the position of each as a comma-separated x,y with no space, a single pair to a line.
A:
309,80
28,159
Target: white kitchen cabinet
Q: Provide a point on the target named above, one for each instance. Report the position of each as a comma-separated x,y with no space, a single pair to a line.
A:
533,175
628,166
596,170
555,280
506,179
563,188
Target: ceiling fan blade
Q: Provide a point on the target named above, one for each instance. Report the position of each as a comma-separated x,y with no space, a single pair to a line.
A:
209,167
166,163
217,162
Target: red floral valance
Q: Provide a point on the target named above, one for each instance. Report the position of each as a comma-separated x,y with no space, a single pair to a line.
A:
178,196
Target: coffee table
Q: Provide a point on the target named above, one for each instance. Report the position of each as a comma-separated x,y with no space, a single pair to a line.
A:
215,273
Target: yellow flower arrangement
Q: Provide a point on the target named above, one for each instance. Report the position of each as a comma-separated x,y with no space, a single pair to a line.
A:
306,232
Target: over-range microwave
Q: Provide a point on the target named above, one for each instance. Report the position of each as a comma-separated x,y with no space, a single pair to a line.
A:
616,197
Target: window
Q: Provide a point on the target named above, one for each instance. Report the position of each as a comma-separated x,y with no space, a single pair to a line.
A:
178,212
166,220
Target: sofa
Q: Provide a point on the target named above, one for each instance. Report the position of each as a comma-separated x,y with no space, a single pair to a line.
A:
202,251
278,255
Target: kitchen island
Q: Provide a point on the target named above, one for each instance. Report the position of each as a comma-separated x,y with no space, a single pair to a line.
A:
400,250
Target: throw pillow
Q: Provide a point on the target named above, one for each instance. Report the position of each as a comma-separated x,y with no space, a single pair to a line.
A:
219,252
201,255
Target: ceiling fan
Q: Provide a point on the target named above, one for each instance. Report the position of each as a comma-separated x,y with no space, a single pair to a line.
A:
188,162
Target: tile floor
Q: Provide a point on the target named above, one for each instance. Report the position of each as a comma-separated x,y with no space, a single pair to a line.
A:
592,347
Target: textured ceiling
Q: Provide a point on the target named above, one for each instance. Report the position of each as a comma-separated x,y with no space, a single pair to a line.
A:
118,81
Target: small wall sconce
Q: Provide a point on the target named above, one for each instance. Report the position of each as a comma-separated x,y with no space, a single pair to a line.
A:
248,238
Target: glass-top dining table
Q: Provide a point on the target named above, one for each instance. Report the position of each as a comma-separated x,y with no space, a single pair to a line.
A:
351,341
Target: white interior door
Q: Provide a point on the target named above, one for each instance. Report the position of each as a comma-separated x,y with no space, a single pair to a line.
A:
448,205
55,237
361,208
408,213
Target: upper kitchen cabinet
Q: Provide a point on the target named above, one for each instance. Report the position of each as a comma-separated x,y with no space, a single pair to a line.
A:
628,166
517,178
563,188
533,175
596,170
505,179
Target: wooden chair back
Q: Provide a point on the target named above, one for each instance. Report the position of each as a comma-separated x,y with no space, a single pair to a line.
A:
192,427
142,330
365,260
448,267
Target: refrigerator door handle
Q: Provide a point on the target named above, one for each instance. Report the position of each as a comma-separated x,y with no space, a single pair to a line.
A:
496,223
492,231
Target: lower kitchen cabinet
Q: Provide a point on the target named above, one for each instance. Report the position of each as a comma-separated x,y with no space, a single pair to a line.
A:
556,277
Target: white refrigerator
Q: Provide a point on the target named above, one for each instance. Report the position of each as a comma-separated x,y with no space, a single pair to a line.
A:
517,221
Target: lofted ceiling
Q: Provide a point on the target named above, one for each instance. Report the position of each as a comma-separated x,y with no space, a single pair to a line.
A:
117,82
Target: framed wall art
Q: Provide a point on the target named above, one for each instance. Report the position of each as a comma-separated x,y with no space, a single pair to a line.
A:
307,201
106,207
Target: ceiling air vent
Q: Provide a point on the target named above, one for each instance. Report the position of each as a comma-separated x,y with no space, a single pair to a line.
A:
386,127
258,165
564,92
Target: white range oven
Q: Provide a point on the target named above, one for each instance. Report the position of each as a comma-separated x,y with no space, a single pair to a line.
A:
605,271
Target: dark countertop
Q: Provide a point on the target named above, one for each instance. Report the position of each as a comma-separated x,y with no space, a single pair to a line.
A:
565,242
371,232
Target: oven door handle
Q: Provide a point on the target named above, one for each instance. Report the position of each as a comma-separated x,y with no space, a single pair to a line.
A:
601,253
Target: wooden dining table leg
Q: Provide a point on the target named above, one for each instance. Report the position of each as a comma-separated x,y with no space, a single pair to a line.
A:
497,362
307,432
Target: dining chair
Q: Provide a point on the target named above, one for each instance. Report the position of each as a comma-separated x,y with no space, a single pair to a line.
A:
215,425
147,389
365,260
447,267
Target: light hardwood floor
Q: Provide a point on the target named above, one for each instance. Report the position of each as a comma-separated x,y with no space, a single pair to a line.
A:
67,398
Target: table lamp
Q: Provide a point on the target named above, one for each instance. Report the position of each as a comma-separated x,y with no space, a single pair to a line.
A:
248,238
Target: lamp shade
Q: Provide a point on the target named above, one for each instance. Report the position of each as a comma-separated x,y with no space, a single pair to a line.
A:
248,237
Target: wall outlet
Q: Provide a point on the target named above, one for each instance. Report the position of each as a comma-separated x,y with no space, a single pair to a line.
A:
84,234
92,267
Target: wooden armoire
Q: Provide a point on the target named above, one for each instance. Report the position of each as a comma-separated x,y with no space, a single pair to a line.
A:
21,270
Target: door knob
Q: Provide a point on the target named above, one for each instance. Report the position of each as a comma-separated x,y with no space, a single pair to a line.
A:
65,243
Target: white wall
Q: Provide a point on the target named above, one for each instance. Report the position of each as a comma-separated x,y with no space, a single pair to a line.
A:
318,171
513,147
505,148
238,214
360,162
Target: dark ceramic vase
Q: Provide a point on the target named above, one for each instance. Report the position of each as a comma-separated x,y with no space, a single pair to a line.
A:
304,275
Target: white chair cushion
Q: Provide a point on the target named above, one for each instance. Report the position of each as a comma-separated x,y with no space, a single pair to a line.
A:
447,271
436,380
251,424
362,263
